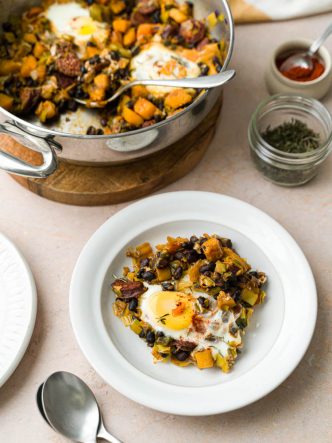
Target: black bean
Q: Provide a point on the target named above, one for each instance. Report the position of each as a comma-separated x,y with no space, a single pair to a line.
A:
186,245
201,300
210,267
95,59
142,334
83,69
140,273
62,106
160,334
193,239
103,121
7,27
167,286
181,355
204,69
217,64
178,255
202,240
144,262
135,50
237,295
100,131
150,337
191,256
226,242
156,17
72,105
115,55
148,275
162,263
133,304
90,2
177,272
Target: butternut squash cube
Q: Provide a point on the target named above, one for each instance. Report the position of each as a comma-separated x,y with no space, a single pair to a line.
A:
130,37
121,25
177,98
132,117
204,359
212,249
145,108
6,101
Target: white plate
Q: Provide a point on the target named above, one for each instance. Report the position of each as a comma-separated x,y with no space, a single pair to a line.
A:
18,305
275,342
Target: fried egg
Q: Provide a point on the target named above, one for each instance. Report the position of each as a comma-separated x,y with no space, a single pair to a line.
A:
172,312
74,20
155,61
167,311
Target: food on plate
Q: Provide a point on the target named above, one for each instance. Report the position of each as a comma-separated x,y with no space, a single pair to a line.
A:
87,49
189,299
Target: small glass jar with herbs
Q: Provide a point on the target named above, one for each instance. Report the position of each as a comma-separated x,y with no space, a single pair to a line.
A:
290,136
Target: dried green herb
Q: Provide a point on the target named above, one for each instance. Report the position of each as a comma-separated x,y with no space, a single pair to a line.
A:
294,137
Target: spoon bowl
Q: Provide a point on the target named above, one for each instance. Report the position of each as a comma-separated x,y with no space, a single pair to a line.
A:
304,59
70,407
206,82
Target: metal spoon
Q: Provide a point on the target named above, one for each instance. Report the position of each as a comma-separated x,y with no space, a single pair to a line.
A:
304,59
206,82
70,407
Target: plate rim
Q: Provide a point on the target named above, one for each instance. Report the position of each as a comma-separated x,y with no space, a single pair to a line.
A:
196,411
32,292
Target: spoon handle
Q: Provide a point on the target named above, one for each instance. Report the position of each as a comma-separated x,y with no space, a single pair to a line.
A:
206,82
105,435
318,43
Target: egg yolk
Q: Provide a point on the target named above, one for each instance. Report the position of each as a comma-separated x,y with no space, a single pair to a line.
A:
174,310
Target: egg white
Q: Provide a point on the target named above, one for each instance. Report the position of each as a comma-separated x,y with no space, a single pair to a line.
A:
148,63
74,20
217,322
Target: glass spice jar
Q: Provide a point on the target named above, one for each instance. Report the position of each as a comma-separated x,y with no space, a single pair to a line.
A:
284,168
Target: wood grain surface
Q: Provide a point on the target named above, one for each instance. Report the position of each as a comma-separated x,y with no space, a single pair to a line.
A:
93,186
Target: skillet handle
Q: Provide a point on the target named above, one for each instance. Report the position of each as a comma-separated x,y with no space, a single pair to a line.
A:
44,145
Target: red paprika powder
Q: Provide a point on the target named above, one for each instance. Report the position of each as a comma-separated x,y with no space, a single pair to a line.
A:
300,74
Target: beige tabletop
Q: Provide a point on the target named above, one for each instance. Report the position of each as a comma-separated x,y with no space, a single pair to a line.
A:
52,235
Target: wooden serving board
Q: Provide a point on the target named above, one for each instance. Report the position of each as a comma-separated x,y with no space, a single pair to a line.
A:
103,185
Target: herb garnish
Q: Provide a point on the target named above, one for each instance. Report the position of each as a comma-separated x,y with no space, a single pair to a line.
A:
162,319
294,137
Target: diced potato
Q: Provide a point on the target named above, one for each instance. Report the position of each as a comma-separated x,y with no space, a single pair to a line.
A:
6,101
136,327
130,37
177,98
220,267
28,65
46,110
121,25
222,363
163,274
249,297
193,271
212,249
8,67
225,301
131,117
204,359
145,108
177,15
30,38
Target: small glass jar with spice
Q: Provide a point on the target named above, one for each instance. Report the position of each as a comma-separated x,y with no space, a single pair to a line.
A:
315,83
290,136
